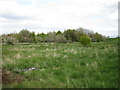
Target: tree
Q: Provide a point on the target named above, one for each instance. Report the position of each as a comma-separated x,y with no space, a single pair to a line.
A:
70,34
85,31
59,33
9,39
85,41
32,37
24,36
41,37
79,34
51,37
98,37
60,39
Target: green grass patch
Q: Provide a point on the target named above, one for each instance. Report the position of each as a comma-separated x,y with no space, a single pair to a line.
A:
64,65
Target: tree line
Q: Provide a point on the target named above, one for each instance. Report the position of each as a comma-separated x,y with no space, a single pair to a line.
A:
69,35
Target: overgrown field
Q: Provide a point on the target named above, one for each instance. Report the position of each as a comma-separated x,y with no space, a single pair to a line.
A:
65,65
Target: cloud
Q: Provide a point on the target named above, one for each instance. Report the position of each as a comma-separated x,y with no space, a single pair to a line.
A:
47,15
24,2
12,16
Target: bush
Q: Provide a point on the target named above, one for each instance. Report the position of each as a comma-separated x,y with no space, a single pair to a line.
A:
60,39
85,41
70,34
24,36
51,37
11,40
98,37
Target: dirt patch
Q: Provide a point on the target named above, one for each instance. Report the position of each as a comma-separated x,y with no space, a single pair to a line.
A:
9,77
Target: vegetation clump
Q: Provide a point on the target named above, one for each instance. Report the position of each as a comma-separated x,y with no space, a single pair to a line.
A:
85,41
9,39
69,35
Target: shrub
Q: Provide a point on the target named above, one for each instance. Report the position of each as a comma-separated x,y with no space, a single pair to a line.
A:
70,34
10,40
51,37
24,36
98,37
85,41
60,39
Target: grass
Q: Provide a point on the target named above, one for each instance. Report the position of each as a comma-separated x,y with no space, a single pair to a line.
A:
65,65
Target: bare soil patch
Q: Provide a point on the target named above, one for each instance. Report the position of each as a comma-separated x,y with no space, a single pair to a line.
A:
9,77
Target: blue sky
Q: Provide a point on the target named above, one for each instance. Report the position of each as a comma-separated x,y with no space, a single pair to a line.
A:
51,15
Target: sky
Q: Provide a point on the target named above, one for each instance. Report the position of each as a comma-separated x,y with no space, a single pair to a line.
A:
52,15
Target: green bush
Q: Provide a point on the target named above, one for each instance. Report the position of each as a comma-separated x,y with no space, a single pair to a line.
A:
60,39
85,41
11,40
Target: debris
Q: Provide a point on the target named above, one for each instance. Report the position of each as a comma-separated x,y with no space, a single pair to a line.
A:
28,69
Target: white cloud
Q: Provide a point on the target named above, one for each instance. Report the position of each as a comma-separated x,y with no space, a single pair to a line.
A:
98,15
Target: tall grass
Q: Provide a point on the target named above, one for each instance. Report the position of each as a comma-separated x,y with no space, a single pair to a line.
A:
63,65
